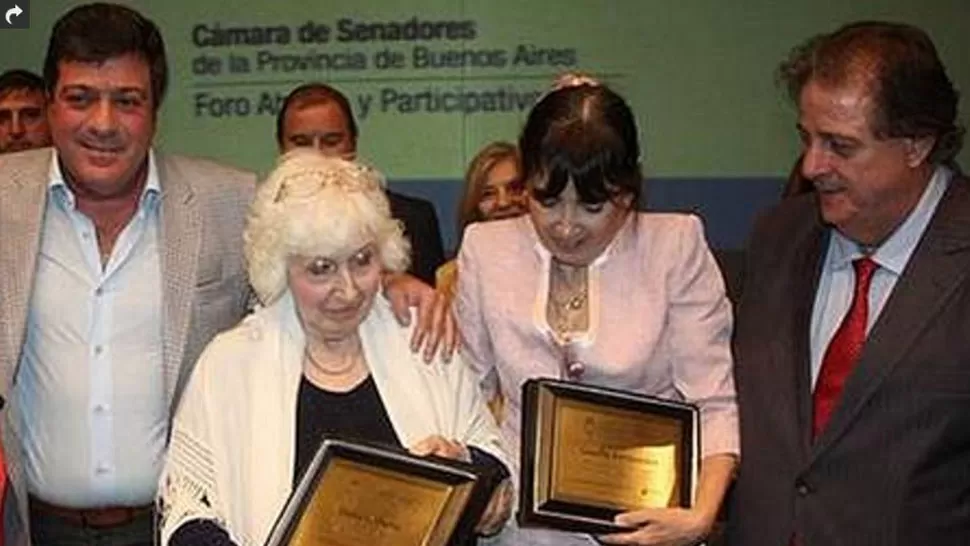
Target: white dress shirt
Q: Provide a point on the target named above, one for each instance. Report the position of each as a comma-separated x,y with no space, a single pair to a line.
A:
837,282
90,404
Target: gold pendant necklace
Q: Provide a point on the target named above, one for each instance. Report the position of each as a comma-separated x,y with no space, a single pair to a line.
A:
568,311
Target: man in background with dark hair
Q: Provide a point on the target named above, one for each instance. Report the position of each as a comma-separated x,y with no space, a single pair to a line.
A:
319,116
852,340
23,122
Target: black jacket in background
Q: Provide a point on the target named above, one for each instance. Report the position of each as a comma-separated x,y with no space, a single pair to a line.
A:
421,228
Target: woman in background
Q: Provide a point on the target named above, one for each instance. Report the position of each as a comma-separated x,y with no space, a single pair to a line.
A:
493,191
586,288
493,186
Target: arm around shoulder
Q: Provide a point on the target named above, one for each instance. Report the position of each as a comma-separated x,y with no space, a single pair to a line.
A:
477,348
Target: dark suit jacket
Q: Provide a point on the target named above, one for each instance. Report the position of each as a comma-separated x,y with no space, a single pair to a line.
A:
421,228
893,466
731,262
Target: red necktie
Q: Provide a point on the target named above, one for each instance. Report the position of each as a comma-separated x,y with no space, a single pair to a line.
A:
843,351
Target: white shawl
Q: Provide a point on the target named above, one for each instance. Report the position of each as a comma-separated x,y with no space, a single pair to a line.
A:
233,437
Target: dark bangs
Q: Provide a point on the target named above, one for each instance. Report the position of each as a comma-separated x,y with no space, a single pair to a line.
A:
584,134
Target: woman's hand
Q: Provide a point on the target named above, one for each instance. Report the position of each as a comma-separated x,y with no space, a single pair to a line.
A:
681,526
662,527
441,447
498,510
499,504
436,325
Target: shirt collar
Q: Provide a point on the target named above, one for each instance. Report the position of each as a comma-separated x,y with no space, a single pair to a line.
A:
894,252
59,190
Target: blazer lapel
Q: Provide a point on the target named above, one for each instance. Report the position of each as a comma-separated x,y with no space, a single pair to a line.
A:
940,263
808,264
23,199
181,243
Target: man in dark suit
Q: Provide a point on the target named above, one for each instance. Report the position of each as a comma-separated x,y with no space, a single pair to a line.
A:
853,334
317,115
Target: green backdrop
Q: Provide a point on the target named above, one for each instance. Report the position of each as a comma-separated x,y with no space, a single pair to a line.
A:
442,77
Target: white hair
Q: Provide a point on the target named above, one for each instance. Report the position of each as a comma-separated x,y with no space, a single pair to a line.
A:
316,205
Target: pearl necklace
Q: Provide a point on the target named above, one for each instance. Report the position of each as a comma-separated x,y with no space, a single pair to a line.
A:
324,371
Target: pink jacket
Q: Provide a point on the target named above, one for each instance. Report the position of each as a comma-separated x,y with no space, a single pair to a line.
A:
660,319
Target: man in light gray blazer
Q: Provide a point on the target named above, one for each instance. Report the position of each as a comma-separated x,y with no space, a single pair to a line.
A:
118,264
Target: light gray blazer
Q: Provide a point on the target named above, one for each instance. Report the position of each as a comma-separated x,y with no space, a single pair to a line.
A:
204,281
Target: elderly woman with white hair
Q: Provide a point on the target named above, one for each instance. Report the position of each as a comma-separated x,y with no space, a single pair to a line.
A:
323,357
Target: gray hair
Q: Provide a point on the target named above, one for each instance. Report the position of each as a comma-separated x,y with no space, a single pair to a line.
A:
315,205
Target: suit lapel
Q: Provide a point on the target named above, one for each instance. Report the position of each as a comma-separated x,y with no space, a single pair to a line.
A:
24,197
808,270
181,241
940,264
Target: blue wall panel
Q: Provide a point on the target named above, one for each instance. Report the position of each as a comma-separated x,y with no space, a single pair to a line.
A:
728,206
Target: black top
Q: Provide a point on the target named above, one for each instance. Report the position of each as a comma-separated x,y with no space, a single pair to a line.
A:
422,231
357,415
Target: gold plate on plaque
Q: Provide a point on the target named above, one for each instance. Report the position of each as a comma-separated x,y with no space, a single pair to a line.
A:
355,494
589,453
